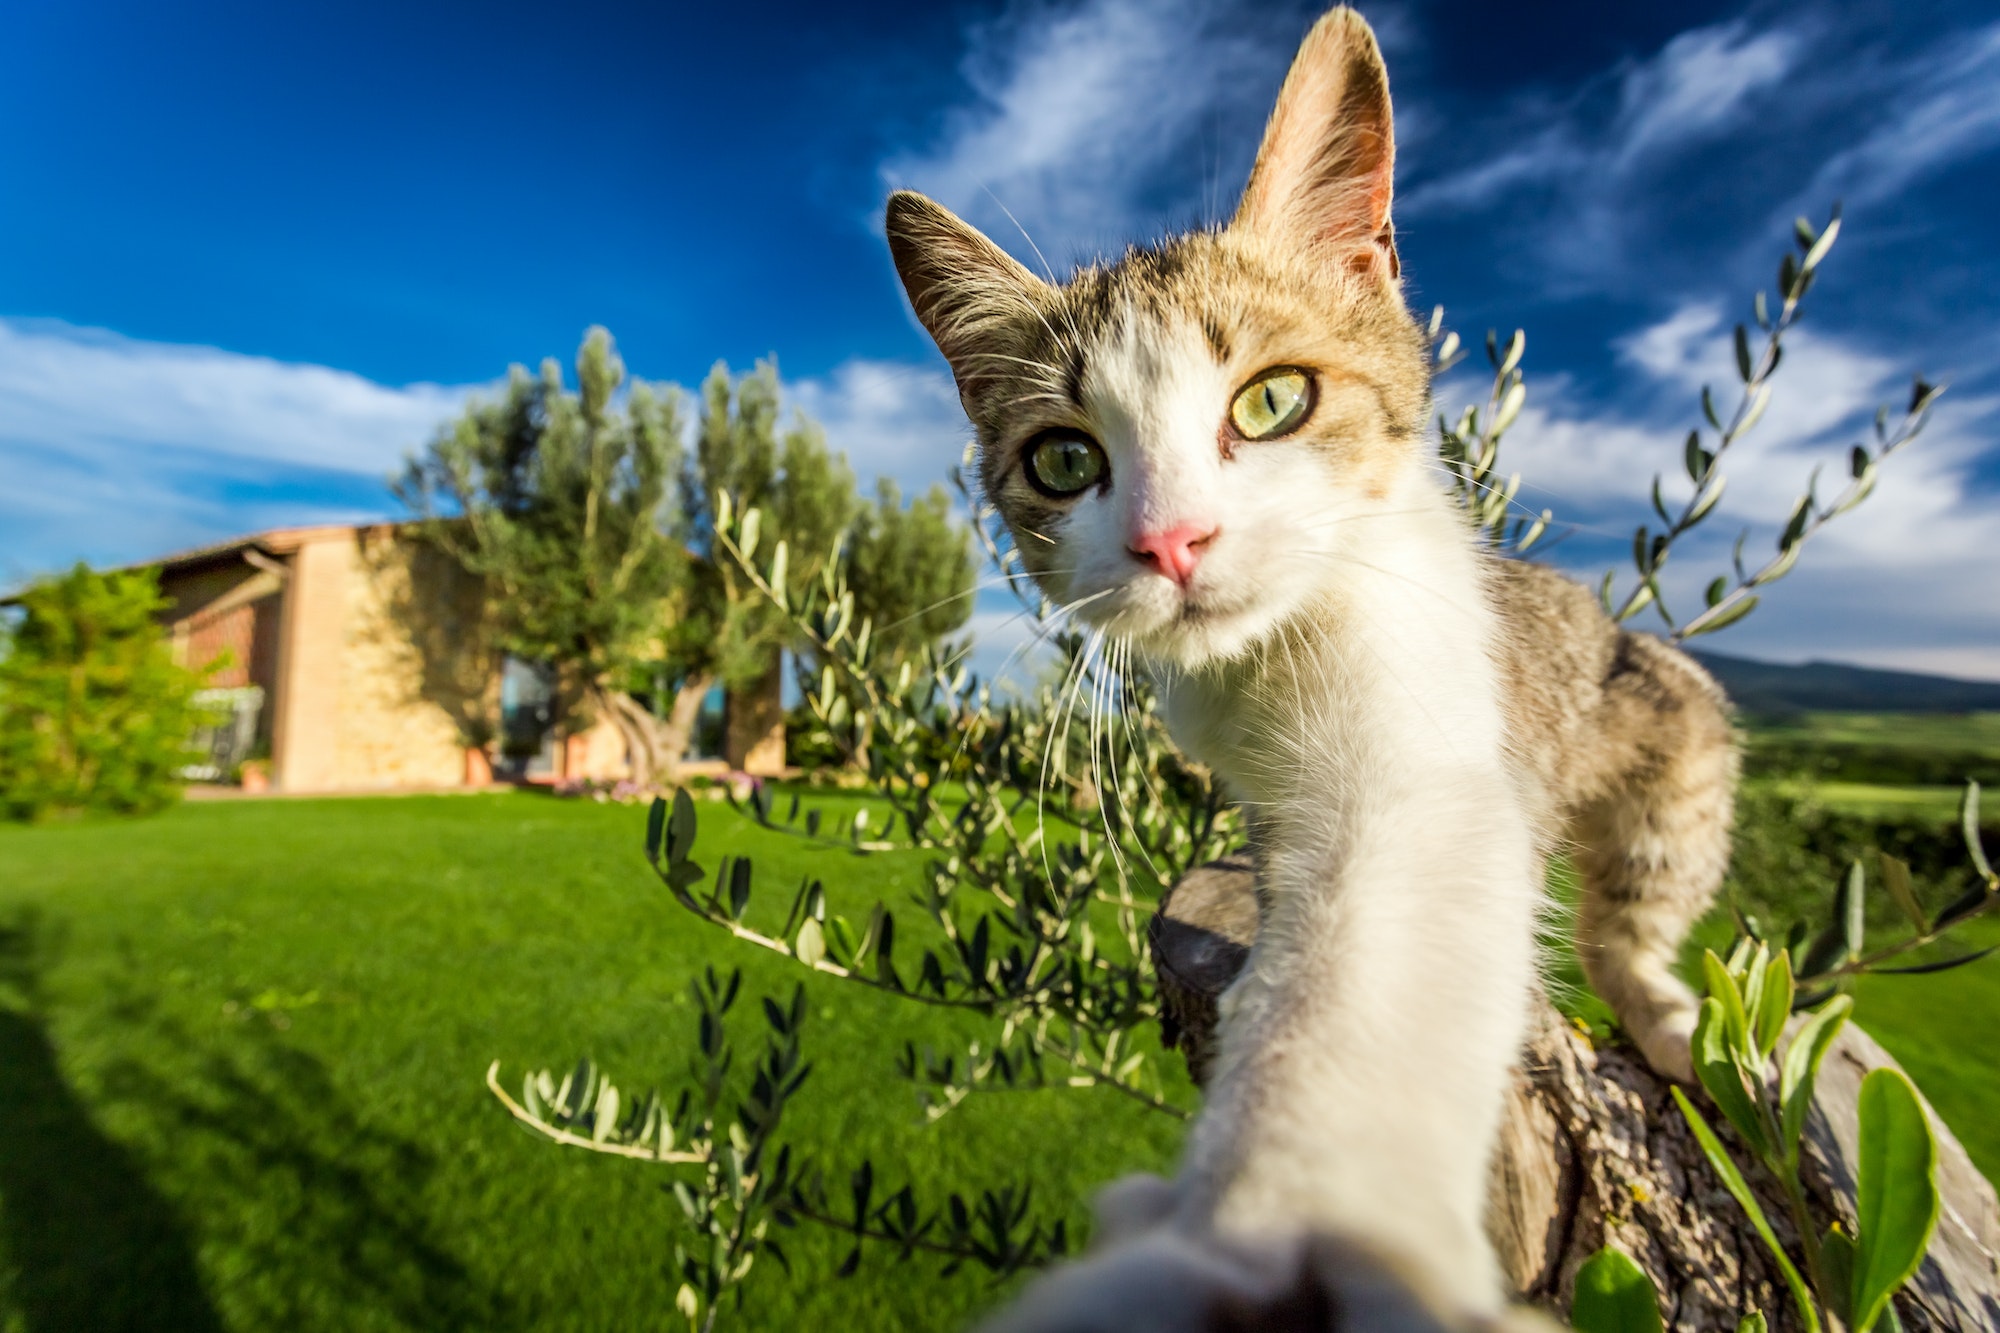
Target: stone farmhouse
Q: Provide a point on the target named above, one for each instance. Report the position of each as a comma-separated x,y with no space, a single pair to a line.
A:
353,658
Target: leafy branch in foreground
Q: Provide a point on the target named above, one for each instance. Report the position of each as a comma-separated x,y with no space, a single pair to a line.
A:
1469,449
742,1180
1730,600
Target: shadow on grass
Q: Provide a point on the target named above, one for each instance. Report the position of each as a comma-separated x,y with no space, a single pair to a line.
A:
309,1215
92,1245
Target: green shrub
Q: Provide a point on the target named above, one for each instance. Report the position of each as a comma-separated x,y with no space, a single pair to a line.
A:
1791,851
94,714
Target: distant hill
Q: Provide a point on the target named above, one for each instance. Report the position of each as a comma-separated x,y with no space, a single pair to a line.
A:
1769,688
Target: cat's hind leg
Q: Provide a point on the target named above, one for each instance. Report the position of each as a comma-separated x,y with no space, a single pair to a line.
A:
1652,850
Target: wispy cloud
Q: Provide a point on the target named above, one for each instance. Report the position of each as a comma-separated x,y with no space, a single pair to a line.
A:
1699,86
115,448
1934,110
1105,120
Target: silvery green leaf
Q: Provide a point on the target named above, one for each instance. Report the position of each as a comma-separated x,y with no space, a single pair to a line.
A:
1721,617
1968,824
1510,405
1853,910
1817,251
1709,496
776,578
1515,346
746,536
1760,399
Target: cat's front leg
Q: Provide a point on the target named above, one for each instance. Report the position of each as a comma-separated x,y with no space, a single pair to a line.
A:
1363,1055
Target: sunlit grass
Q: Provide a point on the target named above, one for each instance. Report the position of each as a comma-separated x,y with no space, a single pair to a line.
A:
242,1045
246,1044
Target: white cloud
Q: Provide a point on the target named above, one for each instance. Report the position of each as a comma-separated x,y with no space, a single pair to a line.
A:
1699,84
118,449
1083,122
1904,580
67,386
890,419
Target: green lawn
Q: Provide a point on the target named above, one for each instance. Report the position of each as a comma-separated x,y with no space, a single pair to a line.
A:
241,1051
242,1045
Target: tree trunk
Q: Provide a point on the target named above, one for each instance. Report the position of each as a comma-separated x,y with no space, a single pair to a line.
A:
1594,1152
655,746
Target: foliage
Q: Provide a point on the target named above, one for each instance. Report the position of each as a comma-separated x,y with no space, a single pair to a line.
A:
910,569
94,714
1736,1037
592,522
1840,950
1793,846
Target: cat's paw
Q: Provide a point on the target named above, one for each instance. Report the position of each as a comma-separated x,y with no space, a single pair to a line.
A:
1668,1045
1132,1205
1169,1281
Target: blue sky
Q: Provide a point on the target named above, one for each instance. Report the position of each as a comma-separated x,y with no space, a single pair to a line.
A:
250,254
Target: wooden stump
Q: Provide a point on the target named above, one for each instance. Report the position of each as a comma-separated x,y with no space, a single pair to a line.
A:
1594,1152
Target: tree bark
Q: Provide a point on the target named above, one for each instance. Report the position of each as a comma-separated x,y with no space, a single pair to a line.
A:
654,746
1594,1152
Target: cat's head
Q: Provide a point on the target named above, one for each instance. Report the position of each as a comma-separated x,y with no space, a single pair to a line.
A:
1183,443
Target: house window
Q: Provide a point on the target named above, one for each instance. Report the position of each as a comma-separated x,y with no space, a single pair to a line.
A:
527,720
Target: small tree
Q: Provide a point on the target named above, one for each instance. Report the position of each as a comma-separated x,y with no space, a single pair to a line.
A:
561,501
94,714
593,524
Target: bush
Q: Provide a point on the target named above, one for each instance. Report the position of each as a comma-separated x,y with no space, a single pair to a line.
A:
94,714
1791,851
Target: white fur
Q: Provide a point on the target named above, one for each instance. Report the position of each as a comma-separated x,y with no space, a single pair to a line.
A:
1330,660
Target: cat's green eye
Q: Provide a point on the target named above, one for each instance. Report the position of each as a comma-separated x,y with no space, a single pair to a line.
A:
1276,403
1063,463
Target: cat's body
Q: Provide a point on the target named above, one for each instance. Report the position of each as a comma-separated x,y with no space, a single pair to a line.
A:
1215,451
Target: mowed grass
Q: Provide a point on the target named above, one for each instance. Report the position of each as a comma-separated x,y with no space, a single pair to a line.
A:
241,1058
241,1052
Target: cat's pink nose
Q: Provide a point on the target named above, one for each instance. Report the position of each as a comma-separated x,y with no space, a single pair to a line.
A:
1176,551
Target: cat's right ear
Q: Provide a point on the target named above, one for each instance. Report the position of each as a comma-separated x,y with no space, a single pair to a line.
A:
967,292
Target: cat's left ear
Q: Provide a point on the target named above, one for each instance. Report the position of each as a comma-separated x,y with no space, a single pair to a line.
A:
1326,167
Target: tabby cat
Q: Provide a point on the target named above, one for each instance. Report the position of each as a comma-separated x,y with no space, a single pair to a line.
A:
1215,450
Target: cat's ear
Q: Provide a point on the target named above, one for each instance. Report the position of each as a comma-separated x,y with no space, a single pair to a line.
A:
1325,169
967,291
